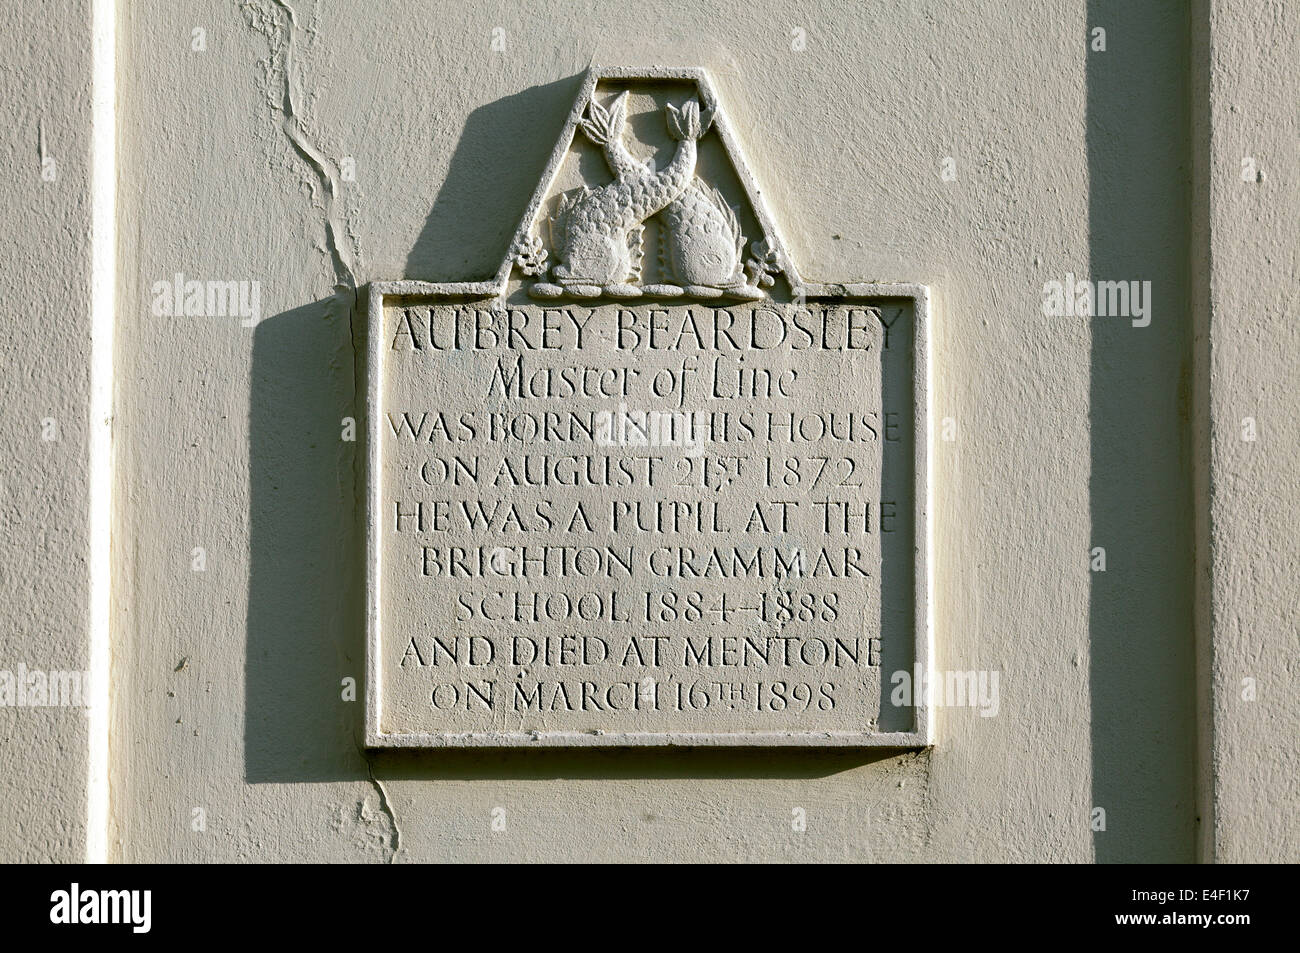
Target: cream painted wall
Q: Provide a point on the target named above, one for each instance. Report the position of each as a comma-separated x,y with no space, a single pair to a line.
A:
1071,433
1253,287
44,430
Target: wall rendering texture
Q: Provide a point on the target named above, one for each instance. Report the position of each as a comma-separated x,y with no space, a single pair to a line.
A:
45,280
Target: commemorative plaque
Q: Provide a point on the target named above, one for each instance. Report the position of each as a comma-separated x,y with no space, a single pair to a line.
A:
648,485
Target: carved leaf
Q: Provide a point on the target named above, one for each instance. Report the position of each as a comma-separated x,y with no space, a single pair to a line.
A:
600,123
560,221
728,213
617,114
763,265
530,256
687,123
674,121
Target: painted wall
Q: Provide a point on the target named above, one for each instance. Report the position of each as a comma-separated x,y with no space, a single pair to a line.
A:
45,284
314,149
1251,283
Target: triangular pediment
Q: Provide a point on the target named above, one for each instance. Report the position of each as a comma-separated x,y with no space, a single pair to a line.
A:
647,194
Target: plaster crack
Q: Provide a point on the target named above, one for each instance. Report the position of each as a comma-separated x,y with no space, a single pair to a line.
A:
282,32
385,804
282,85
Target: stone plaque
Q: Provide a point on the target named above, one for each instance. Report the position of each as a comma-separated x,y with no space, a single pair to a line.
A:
648,485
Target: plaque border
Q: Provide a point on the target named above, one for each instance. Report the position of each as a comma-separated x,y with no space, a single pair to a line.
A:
922,733
923,728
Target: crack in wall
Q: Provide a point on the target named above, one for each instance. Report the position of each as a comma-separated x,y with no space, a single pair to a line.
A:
279,23
395,842
282,31
385,805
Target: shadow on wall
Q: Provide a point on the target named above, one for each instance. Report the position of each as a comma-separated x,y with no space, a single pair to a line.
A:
304,599
501,154
1142,658
305,626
